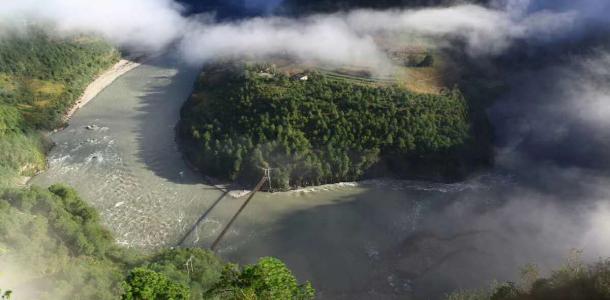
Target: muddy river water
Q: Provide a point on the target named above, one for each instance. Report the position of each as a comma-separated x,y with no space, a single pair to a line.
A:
381,239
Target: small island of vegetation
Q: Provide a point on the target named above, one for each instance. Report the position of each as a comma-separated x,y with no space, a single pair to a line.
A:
316,128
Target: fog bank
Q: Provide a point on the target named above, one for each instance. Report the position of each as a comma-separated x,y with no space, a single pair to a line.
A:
343,38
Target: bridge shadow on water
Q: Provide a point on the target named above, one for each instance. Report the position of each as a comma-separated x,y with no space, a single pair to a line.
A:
367,246
201,218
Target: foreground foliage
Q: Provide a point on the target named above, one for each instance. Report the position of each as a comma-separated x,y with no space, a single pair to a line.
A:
319,130
53,246
54,239
143,283
574,281
268,279
41,76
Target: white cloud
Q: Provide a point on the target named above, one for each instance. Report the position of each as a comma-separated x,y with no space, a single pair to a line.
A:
149,24
337,38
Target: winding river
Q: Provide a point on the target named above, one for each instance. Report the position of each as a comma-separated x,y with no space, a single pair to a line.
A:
380,239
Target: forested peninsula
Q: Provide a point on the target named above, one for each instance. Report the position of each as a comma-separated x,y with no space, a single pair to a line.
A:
316,128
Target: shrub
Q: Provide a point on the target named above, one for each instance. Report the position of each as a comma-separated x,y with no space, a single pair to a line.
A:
268,279
146,284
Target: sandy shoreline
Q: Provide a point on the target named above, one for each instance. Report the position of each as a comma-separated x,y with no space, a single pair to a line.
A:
100,83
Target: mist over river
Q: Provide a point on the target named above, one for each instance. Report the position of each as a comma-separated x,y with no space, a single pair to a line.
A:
380,239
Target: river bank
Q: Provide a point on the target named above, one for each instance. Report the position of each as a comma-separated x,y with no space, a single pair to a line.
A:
101,82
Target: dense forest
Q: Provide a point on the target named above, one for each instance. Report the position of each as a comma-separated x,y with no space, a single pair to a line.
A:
41,77
240,120
52,246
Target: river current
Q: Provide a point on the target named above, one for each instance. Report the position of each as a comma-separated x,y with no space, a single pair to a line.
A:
379,239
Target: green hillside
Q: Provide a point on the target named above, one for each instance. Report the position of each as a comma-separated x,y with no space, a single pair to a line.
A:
52,243
41,76
52,246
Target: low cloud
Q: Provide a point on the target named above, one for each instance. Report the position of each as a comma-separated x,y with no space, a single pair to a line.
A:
342,38
351,37
144,24
558,113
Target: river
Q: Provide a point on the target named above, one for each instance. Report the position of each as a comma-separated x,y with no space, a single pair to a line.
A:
380,239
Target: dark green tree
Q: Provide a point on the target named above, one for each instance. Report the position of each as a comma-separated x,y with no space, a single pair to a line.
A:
146,284
266,280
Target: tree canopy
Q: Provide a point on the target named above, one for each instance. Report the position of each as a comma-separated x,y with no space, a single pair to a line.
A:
42,75
573,281
266,280
52,242
316,131
146,284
